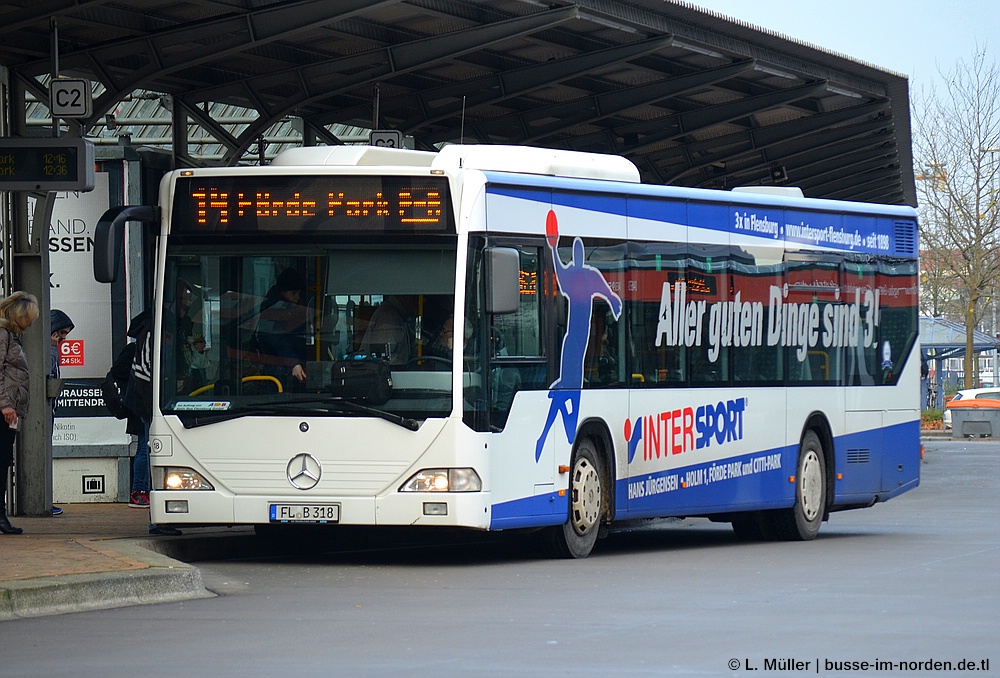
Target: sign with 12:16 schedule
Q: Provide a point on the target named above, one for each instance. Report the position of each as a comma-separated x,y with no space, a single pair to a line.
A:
46,164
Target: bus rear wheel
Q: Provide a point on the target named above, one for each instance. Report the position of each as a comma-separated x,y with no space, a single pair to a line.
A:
801,522
587,497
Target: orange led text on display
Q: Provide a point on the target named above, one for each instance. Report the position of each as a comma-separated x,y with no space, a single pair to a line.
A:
219,206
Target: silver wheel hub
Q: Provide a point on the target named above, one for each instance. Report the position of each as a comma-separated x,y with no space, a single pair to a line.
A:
585,502
811,486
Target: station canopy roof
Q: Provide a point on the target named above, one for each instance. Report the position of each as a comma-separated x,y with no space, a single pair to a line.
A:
941,338
693,98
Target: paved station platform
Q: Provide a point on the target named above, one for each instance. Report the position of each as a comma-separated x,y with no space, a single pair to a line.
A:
98,556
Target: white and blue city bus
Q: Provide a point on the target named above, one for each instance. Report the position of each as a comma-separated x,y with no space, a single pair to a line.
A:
567,348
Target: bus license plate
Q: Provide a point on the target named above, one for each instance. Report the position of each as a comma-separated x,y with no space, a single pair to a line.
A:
305,513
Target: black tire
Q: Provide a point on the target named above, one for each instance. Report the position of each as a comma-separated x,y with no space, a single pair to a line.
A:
588,499
801,522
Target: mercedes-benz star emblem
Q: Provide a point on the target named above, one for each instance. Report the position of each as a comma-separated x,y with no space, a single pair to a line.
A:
304,471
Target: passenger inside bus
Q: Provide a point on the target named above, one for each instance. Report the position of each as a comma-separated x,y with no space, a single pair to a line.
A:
388,333
435,343
281,329
179,330
445,341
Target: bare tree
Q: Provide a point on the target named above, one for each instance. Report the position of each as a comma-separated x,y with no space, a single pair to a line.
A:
939,290
957,152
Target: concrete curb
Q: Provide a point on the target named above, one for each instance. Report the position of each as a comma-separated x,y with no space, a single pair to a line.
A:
165,580
926,436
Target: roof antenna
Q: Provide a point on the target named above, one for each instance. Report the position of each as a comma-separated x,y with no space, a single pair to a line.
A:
375,107
461,139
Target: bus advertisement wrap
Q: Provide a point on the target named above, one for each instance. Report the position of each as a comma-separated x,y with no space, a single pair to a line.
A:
559,347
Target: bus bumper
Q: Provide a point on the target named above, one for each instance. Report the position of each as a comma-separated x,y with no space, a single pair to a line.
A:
458,509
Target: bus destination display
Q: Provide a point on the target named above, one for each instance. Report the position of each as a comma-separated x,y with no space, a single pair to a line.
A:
284,204
46,165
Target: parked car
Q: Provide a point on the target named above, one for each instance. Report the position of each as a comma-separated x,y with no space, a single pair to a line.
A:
991,393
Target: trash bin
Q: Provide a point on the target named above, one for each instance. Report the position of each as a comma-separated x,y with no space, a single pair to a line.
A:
975,418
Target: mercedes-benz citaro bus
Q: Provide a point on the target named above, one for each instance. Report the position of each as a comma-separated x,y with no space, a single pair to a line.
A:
515,338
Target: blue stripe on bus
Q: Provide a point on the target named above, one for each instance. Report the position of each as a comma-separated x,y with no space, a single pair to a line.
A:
837,229
898,467
733,484
741,483
682,193
538,511
606,203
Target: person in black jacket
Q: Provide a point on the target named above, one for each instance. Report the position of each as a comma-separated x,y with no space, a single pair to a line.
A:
139,399
119,374
60,325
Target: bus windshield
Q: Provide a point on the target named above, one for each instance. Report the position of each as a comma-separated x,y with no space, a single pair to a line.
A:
261,332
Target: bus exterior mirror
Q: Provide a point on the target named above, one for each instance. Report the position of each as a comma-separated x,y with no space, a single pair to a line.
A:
503,280
109,238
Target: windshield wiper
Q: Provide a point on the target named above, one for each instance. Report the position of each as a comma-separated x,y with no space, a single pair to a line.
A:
285,407
405,422
216,417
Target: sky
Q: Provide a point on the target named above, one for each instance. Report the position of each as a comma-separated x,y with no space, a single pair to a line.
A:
917,38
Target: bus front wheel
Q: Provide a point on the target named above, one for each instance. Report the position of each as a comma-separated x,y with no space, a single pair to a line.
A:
587,497
801,522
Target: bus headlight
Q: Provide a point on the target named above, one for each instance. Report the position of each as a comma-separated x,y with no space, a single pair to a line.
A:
443,480
181,478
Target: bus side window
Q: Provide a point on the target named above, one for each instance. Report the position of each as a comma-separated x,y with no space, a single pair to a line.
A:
516,346
861,364
897,314
654,270
708,286
815,285
519,333
755,271
602,364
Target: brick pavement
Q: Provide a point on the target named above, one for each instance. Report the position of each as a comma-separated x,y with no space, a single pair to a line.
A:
98,556
73,543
